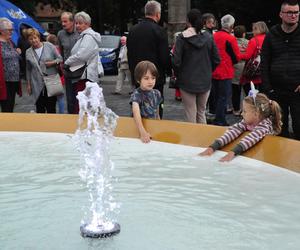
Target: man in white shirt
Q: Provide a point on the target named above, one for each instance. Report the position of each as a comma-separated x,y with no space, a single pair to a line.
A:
123,68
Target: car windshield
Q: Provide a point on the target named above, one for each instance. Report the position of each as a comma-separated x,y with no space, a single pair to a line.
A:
110,42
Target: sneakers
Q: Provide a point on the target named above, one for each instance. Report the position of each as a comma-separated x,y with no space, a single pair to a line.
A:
116,93
210,116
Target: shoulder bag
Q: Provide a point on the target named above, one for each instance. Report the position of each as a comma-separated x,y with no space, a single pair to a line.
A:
252,66
52,82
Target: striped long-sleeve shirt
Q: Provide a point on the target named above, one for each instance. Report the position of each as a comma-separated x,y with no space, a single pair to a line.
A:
257,134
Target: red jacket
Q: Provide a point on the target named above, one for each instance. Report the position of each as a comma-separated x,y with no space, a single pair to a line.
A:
225,70
251,50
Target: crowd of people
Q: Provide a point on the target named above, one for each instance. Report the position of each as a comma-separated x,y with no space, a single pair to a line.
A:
214,69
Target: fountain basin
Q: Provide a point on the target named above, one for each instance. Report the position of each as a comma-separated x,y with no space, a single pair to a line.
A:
171,198
276,150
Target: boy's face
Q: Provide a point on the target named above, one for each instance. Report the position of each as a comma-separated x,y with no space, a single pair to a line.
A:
148,81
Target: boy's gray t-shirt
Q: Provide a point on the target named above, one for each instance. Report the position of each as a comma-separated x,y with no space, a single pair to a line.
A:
148,101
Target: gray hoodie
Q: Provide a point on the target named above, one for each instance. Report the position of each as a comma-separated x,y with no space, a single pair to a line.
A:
195,57
86,51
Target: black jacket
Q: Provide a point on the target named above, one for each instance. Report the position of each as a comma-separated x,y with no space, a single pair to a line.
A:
148,41
280,65
195,58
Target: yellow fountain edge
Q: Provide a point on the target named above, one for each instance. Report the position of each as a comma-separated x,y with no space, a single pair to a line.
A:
272,149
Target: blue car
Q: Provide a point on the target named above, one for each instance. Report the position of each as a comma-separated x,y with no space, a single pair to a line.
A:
109,53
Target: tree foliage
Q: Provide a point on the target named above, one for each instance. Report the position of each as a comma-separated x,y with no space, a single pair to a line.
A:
119,13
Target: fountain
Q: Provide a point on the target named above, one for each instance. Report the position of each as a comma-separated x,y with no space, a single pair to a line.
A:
171,198
93,142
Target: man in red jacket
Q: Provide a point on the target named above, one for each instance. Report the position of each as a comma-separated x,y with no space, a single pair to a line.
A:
223,74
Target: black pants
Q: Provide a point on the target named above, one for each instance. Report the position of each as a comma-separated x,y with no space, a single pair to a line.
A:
71,95
11,90
290,104
223,93
236,97
45,104
161,106
212,100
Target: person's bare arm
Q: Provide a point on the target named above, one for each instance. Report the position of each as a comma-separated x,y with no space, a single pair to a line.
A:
158,116
144,135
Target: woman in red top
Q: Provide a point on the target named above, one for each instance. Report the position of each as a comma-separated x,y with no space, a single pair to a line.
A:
259,30
222,76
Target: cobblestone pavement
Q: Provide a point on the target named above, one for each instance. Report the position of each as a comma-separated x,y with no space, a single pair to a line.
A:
173,110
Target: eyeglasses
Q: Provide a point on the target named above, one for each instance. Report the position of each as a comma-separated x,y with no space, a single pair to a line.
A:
290,13
8,30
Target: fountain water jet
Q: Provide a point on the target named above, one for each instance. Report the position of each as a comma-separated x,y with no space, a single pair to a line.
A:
93,142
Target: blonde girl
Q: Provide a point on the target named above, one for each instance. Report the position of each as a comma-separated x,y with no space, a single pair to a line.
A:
261,116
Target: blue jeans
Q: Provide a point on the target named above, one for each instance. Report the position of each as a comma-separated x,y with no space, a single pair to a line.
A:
223,93
61,104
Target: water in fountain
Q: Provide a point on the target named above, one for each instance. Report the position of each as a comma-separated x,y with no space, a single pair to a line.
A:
92,140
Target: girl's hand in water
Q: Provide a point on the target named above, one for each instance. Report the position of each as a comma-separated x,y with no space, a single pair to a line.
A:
207,152
230,155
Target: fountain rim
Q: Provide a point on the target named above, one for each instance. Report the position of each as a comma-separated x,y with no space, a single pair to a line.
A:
275,150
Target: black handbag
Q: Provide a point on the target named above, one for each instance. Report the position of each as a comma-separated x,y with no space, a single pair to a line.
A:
76,74
252,66
172,83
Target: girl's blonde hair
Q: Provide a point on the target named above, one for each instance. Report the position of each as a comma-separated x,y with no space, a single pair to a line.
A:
267,109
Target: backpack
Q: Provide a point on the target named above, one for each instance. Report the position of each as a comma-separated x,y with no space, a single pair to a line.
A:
252,66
